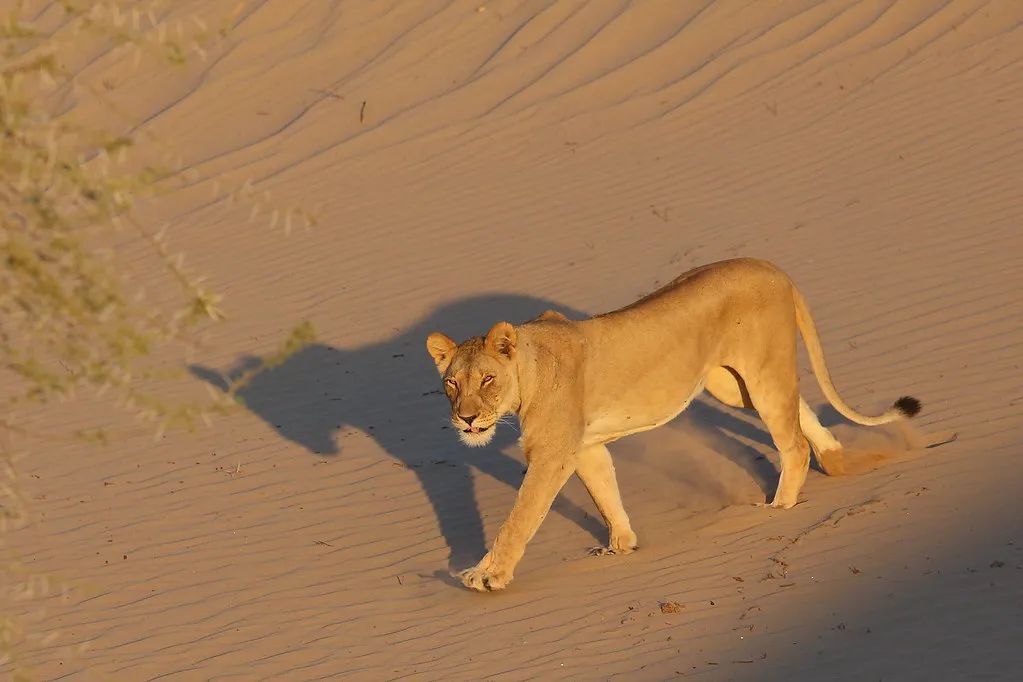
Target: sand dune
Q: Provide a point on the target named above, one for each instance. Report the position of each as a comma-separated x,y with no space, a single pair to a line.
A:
471,162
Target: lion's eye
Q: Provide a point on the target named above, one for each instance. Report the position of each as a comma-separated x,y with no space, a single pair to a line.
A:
451,383
487,379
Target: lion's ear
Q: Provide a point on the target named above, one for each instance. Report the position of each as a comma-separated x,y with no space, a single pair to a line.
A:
441,348
501,339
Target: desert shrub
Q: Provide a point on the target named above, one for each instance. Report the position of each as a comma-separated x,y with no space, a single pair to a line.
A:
71,319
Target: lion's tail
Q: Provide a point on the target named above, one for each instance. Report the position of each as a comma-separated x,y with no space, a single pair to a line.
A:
904,408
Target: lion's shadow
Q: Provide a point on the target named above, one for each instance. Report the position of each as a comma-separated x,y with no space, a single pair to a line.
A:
390,390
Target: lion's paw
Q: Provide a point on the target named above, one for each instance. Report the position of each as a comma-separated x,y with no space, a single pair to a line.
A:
484,580
626,544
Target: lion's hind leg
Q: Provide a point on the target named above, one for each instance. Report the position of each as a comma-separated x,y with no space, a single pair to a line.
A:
597,472
728,386
775,395
826,447
725,384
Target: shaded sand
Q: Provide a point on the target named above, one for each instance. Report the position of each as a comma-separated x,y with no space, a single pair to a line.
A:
475,162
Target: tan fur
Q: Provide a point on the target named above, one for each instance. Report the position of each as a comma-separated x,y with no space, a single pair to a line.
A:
728,327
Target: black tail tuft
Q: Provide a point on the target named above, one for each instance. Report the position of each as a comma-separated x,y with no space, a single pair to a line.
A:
908,406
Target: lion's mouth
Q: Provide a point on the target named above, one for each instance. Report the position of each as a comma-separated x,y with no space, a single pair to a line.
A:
476,436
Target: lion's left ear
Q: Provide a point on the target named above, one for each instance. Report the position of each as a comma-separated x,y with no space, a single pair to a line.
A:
501,339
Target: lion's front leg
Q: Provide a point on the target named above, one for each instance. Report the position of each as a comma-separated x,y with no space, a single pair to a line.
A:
544,479
597,473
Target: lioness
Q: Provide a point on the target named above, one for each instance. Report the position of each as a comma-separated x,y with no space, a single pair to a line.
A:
727,327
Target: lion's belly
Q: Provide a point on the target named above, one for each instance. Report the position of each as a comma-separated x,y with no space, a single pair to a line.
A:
619,420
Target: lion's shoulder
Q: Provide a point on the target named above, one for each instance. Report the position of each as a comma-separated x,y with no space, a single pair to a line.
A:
550,316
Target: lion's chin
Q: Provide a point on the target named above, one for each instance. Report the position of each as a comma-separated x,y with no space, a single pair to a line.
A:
479,439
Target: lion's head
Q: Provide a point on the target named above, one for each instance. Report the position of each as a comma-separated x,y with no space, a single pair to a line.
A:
479,379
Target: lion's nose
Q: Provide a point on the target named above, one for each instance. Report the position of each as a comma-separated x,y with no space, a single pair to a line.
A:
468,420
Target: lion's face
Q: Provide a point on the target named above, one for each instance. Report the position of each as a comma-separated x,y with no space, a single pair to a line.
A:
479,380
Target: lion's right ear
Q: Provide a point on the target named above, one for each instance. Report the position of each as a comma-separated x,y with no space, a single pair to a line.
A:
441,349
